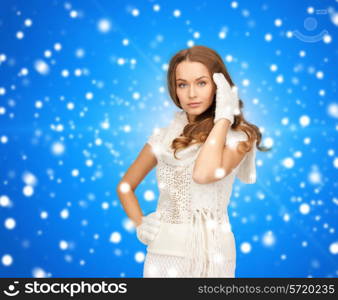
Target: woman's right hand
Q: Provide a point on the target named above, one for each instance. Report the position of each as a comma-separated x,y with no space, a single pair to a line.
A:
149,228
227,100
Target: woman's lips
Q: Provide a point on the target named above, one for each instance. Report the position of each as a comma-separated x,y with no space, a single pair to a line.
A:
195,104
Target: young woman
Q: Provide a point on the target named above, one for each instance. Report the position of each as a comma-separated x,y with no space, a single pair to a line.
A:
207,144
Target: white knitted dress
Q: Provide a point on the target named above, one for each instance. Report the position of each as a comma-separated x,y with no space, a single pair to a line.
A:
197,240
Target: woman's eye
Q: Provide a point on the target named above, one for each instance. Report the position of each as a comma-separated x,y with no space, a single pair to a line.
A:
201,82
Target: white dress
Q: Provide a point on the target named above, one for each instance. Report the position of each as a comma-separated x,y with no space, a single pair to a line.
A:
195,239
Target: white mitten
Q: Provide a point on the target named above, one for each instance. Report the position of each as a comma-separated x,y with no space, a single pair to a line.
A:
149,228
227,101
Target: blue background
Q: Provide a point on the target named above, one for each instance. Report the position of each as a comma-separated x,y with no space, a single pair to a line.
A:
56,224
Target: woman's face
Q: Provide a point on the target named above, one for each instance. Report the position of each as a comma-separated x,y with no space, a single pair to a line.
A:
193,84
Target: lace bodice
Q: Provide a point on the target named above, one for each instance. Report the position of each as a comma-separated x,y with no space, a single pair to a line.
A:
180,196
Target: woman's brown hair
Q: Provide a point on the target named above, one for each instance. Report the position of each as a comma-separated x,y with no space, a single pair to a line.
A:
198,130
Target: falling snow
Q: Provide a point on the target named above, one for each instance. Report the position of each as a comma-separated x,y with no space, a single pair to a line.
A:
77,108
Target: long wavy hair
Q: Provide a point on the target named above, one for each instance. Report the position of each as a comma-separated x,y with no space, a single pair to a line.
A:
198,130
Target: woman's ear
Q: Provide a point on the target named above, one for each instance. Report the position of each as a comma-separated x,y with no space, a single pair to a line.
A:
214,87
214,92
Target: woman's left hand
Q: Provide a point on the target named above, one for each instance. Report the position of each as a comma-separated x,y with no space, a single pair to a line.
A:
227,100
149,228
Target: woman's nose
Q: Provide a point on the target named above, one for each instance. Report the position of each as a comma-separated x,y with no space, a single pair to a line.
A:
192,91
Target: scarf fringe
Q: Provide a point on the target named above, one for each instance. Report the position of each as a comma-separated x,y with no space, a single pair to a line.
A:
205,254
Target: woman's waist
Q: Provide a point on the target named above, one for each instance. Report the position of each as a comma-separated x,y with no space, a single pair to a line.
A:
223,225
171,238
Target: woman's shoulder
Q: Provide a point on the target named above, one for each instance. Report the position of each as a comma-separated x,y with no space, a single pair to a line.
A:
158,133
237,135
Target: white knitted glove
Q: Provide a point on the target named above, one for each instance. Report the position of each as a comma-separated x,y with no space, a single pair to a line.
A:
227,101
149,228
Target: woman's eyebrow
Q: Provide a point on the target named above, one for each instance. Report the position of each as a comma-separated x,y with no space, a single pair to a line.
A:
195,79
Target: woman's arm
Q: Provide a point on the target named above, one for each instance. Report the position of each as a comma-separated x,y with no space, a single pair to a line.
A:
215,160
142,165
